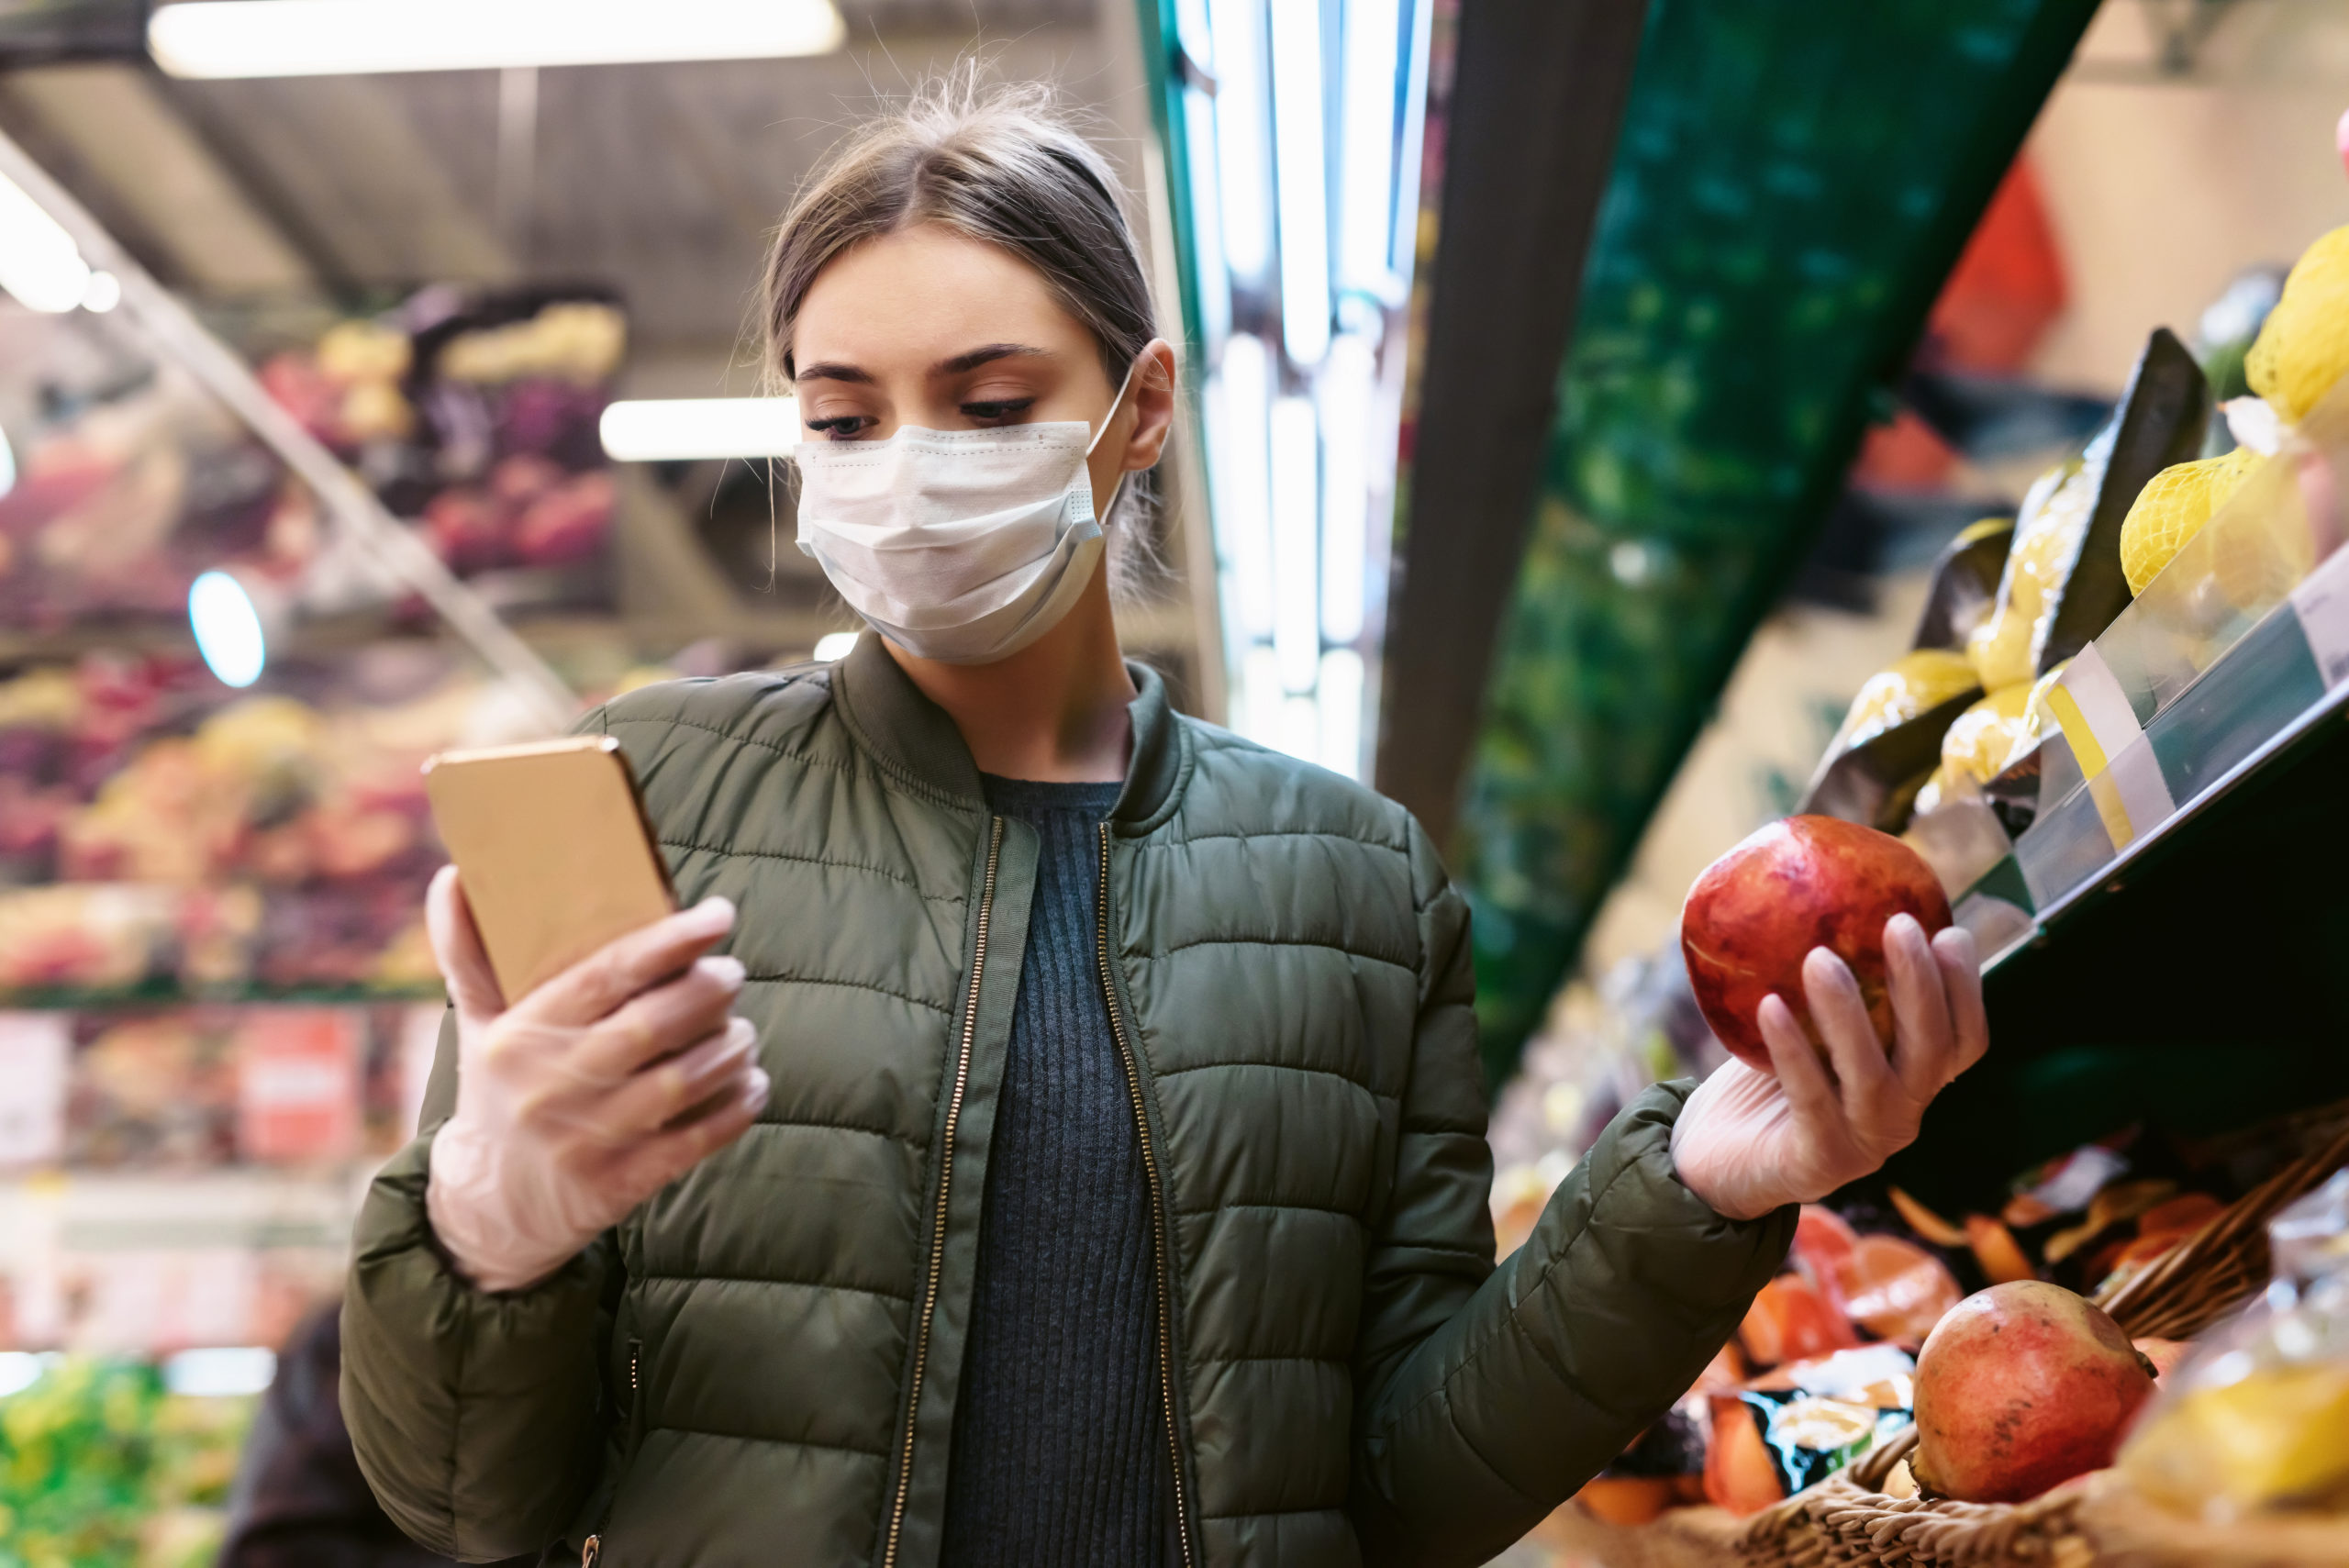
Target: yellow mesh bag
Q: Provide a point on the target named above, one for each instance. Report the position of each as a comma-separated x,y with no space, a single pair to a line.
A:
2004,647
1980,739
1913,684
2304,346
2172,508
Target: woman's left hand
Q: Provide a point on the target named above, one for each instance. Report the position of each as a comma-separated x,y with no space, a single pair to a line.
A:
1749,1143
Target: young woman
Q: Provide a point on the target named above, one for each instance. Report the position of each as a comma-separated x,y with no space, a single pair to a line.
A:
1052,1134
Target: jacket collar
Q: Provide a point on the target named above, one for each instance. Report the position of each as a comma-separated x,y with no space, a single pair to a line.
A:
916,738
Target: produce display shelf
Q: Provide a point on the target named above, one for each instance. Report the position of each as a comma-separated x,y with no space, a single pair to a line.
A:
2192,982
164,994
2254,710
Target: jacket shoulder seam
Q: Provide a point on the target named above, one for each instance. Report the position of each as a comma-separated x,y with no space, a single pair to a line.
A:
724,852
1165,1073
1269,941
816,1124
778,748
650,1274
762,1438
1268,1204
1342,836
779,978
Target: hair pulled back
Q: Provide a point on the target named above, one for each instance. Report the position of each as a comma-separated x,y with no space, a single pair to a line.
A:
996,164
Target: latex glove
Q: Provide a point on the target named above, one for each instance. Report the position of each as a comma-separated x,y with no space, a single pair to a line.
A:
1749,1143
589,1095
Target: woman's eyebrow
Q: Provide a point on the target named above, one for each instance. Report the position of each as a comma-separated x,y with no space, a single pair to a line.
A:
987,355
834,372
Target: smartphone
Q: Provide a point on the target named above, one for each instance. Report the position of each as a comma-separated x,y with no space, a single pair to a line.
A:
553,849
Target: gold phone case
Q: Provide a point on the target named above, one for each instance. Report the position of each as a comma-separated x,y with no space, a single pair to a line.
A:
553,849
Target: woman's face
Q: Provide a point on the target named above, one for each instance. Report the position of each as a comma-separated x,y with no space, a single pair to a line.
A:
926,328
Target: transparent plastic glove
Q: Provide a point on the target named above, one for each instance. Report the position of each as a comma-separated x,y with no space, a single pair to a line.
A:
589,1095
1749,1143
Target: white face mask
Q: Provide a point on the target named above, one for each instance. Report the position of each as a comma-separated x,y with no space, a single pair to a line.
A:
964,546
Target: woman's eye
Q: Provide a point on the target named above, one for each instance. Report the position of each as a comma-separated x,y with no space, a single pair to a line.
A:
842,427
995,410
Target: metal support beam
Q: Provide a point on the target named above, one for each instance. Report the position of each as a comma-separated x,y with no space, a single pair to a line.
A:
1536,102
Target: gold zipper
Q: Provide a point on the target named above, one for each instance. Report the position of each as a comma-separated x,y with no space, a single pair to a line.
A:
945,1176
1157,1205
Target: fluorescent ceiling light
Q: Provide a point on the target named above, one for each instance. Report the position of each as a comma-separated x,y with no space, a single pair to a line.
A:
1296,527
834,645
1300,165
40,263
1366,153
1406,250
1240,151
1239,410
8,464
1340,693
336,37
680,429
1345,484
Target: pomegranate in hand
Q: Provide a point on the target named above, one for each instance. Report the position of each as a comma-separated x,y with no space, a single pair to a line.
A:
1804,883
2021,1387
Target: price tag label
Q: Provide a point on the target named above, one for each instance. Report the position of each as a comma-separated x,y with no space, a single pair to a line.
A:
34,1050
2322,601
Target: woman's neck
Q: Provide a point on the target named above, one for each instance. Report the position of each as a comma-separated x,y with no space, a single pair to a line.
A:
1056,711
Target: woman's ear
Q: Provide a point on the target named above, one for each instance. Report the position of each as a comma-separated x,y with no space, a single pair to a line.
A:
1153,400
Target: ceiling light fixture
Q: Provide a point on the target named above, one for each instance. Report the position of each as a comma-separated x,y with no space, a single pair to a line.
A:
40,263
683,430
213,39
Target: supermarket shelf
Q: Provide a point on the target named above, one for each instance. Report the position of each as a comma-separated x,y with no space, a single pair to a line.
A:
2190,978
167,994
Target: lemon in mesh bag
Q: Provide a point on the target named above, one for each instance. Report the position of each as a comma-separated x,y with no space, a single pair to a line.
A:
2172,508
2055,519
1911,685
2304,346
1979,741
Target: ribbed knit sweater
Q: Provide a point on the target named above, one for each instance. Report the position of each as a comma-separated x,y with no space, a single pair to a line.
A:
1060,1451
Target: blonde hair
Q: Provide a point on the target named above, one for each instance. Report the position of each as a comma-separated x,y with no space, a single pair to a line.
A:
997,164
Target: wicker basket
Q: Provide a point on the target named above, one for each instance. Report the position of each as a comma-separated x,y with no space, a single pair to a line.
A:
2203,1278
1851,1519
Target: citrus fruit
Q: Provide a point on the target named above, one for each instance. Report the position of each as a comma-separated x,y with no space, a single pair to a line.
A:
2172,508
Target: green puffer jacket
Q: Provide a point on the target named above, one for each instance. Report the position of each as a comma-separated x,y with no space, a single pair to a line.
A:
759,1365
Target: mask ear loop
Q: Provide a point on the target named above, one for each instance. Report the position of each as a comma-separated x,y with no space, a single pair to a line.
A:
1102,515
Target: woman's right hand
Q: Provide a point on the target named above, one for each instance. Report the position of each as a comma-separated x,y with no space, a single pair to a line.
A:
587,1096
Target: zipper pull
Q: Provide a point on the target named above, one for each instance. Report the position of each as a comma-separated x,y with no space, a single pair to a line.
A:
589,1554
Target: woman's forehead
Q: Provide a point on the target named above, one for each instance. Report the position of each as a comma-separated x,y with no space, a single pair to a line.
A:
923,295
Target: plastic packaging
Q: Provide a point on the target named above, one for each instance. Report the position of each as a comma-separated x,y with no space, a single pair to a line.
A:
1796,1427
2256,1421
2174,505
2303,347
2063,582
1890,740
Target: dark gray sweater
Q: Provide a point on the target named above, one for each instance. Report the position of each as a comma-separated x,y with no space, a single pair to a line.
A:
1060,1449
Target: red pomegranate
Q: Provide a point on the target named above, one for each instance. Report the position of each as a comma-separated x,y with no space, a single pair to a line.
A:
2019,1388
1801,884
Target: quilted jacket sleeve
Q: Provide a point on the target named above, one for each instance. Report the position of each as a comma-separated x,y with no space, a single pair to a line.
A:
1486,1396
478,1418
